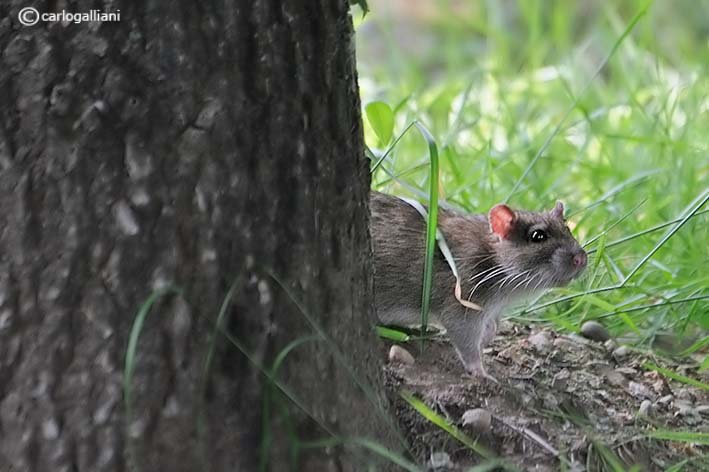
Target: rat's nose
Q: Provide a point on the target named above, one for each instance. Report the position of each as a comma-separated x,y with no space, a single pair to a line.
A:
580,259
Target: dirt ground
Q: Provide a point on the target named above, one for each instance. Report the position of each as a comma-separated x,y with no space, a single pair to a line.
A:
562,403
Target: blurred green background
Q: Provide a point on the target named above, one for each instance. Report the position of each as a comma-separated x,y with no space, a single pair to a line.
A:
604,105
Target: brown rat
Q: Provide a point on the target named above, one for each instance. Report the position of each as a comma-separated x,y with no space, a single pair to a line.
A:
501,256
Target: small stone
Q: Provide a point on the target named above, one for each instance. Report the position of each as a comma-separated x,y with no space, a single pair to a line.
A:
440,461
685,408
639,390
610,345
398,354
666,400
661,387
541,341
478,419
620,353
645,408
564,343
685,394
688,412
693,420
595,331
615,378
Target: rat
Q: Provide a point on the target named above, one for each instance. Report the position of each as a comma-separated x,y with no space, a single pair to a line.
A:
501,257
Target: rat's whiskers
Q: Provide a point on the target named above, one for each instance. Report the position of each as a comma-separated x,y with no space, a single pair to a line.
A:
501,270
483,272
511,278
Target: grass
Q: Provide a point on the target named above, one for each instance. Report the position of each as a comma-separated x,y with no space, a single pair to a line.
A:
431,227
445,425
276,393
130,365
604,106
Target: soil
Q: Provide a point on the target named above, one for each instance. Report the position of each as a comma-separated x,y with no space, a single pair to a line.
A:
562,403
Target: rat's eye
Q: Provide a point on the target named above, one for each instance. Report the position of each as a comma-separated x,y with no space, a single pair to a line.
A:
537,236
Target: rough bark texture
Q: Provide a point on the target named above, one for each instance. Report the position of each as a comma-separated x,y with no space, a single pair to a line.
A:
194,143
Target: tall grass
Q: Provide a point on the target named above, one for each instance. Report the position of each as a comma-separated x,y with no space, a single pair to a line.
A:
602,105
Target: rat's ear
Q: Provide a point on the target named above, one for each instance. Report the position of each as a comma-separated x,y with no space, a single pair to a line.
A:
502,220
558,211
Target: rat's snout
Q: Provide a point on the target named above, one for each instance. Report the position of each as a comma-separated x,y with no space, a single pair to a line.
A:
579,259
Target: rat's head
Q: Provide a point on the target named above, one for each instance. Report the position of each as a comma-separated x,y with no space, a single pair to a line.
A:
536,244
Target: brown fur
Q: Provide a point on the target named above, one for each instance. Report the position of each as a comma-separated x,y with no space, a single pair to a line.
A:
493,269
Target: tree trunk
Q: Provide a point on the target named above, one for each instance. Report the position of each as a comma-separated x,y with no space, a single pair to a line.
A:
205,145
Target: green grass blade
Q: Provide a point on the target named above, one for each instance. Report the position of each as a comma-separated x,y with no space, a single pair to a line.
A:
391,148
608,456
130,360
652,229
675,376
268,397
442,423
693,208
392,334
575,103
702,200
681,436
387,454
608,195
339,357
613,225
136,329
368,444
431,226
278,361
705,364
207,366
660,305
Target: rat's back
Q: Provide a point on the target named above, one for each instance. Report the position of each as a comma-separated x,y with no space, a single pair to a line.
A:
398,243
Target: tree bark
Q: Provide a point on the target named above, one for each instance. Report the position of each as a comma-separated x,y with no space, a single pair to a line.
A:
205,145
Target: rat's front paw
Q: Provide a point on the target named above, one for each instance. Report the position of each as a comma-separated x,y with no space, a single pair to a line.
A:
476,371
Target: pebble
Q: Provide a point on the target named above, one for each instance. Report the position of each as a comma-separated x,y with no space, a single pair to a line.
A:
685,408
541,341
685,394
620,353
440,461
645,408
564,343
661,387
478,419
665,400
610,345
616,378
595,331
640,390
400,355
689,413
